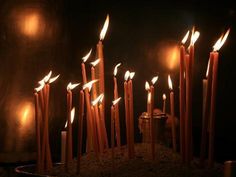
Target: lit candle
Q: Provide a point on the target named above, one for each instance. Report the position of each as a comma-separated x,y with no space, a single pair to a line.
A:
164,103
80,130
127,115
69,145
182,95
172,113
94,89
113,132
216,48
117,116
131,112
147,87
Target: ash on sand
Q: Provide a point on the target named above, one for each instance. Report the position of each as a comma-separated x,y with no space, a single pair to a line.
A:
167,164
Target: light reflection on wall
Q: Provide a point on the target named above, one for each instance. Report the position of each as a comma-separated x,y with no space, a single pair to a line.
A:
30,24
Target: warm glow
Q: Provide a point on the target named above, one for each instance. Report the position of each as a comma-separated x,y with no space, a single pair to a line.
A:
98,99
30,24
185,38
71,86
85,58
94,63
164,96
39,88
147,86
170,83
154,79
25,113
127,73
208,65
72,116
116,101
149,97
104,29
194,37
47,77
116,69
54,79
219,43
89,84
131,75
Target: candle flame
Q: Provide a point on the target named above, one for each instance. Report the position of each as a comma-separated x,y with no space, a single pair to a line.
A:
104,29
94,63
131,75
127,73
154,79
71,86
54,79
89,84
72,116
185,38
149,97
194,37
147,86
219,43
39,88
85,58
170,83
116,101
98,99
47,77
116,69
208,65
164,96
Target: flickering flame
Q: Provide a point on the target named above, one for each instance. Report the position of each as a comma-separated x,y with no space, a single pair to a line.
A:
39,88
71,86
47,77
116,69
89,84
170,83
85,58
104,29
154,79
94,63
98,99
208,65
116,101
147,86
101,98
72,116
164,96
149,97
54,79
131,75
194,37
41,82
219,43
185,38
127,73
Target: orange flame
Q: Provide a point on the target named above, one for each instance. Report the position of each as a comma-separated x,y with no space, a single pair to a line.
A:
104,29
85,58
89,84
185,38
127,73
71,86
219,43
116,101
154,79
116,69
170,83
164,96
147,86
94,63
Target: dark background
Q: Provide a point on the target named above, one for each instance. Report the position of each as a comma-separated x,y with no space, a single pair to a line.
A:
137,34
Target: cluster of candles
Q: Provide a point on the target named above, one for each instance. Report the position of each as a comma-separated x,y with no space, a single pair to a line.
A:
92,94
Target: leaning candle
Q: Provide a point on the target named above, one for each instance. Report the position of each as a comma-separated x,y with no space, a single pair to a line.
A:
216,48
182,95
69,145
164,103
80,129
117,116
172,110
94,89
